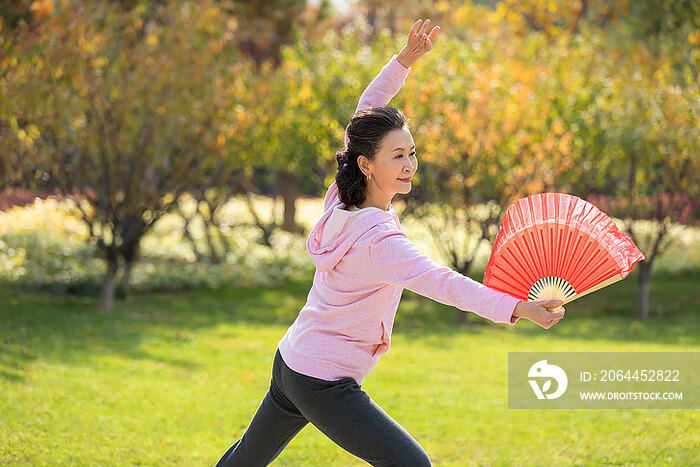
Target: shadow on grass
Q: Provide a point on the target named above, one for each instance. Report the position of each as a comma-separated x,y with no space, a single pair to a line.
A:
70,329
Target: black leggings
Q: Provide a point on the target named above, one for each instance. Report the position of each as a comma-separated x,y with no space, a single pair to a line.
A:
340,409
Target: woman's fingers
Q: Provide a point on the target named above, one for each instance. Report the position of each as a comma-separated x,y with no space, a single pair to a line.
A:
544,318
549,322
413,29
419,42
435,30
554,319
424,27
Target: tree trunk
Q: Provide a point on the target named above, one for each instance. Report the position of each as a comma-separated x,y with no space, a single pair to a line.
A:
126,276
132,229
187,233
110,281
289,191
214,256
463,316
190,238
643,299
228,247
265,230
129,253
214,225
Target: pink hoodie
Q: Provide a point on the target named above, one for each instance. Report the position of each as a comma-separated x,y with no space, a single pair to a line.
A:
364,260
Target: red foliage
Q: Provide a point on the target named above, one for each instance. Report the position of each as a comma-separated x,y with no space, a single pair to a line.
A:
21,197
678,206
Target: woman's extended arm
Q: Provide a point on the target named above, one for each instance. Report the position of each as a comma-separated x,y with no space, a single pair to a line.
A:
395,260
393,75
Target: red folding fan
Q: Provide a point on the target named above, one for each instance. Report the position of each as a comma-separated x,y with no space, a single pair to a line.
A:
554,246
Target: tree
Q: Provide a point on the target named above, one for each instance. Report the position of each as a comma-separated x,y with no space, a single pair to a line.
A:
484,136
267,27
632,110
120,109
585,109
657,139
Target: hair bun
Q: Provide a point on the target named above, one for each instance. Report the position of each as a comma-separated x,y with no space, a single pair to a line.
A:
343,157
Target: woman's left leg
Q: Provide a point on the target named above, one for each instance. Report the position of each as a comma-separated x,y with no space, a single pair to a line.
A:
347,415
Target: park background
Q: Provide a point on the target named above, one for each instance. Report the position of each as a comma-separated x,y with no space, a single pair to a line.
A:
161,164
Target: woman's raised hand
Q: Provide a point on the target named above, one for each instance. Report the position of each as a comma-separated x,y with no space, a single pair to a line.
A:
419,43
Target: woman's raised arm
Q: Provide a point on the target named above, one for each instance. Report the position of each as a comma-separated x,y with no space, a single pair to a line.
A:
393,75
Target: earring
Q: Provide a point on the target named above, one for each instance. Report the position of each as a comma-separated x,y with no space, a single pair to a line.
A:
369,176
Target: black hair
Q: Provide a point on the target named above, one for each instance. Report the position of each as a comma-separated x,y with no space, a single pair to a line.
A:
366,131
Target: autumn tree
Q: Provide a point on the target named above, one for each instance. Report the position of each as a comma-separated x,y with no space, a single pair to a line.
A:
656,173
120,109
483,139
549,100
266,27
629,97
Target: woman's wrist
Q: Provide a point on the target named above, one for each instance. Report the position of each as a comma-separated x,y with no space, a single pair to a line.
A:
520,310
404,59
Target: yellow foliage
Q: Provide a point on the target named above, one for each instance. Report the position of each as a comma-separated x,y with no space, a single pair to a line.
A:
564,147
442,6
523,138
33,131
558,126
305,92
42,8
694,37
549,143
100,62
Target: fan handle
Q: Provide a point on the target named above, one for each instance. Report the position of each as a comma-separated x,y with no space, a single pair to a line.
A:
605,283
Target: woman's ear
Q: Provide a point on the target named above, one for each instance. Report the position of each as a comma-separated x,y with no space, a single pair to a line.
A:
363,163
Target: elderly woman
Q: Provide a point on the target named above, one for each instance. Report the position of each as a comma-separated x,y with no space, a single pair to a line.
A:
364,261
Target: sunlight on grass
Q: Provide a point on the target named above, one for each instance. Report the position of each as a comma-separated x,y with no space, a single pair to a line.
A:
175,379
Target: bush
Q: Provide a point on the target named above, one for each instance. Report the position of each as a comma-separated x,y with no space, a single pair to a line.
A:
43,249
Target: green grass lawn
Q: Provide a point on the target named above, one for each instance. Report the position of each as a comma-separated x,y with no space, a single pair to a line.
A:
174,379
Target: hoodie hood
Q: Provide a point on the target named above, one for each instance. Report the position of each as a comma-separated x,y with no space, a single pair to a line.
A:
338,229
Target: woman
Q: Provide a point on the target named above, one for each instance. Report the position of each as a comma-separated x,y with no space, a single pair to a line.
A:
363,262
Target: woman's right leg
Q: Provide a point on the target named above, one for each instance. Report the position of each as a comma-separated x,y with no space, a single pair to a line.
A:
274,424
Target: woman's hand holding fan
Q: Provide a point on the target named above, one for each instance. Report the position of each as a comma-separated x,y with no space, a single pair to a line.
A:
554,246
545,313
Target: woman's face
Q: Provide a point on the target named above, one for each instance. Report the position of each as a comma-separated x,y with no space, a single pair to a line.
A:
395,160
